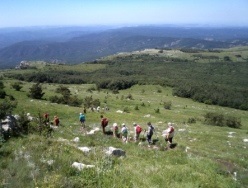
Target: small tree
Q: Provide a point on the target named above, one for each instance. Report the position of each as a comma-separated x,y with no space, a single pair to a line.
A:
35,92
167,105
17,86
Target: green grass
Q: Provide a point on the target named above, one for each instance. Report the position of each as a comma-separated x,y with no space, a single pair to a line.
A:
204,156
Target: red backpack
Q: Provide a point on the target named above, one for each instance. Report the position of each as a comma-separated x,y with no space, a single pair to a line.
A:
138,129
104,122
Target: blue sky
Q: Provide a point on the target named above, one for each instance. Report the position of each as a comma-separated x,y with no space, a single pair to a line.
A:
18,13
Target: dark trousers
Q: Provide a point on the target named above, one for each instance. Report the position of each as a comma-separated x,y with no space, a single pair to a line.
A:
169,139
149,138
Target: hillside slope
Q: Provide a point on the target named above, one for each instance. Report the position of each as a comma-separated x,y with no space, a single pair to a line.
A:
205,155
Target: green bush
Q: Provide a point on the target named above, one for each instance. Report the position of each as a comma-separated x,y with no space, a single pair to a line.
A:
17,86
217,119
167,105
90,102
126,109
35,92
191,120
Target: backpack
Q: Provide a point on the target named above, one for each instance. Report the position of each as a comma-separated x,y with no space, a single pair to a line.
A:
104,122
82,118
124,131
151,130
138,129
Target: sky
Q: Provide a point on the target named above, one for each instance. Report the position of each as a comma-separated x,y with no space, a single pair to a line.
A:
22,13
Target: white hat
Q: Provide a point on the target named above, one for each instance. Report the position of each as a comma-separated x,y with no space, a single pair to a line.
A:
115,124
123,124
169,124
80,113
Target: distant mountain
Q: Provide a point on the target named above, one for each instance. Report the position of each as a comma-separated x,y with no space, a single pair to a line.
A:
9,36
92,45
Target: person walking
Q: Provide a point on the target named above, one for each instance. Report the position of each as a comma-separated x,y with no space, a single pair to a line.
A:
169,133
124,133
115,130
149,132
56,121
137,131
82,119
104,123
46,118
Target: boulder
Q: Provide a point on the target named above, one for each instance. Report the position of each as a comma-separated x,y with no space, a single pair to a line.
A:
116,152
9,123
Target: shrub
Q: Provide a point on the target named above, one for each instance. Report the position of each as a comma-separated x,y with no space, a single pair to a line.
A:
6,107
90,102
157,110
17,86
221,120
2,94
159,91
23,122
167,105
233,122
214,119
136,107
129,96
191,120
126,109
35,92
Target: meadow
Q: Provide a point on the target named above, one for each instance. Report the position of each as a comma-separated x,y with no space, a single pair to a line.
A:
205,155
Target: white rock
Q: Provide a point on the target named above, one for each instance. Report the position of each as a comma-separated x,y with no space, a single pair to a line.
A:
81,166
119,111
148,115
93,131
76,139
84,149
245,140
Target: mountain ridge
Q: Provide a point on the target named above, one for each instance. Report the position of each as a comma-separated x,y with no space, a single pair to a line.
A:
88,47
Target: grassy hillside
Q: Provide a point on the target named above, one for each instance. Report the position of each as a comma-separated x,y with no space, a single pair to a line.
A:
205,155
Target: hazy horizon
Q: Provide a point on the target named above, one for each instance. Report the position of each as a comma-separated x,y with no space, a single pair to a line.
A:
29,13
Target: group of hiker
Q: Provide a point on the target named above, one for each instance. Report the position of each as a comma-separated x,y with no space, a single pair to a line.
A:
47,120
124,132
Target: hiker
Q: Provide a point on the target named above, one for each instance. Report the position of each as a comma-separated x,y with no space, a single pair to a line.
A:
115,130
124,133
137,131
98,109
46,118
149,133
169,133
82,119
104,123
56,121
